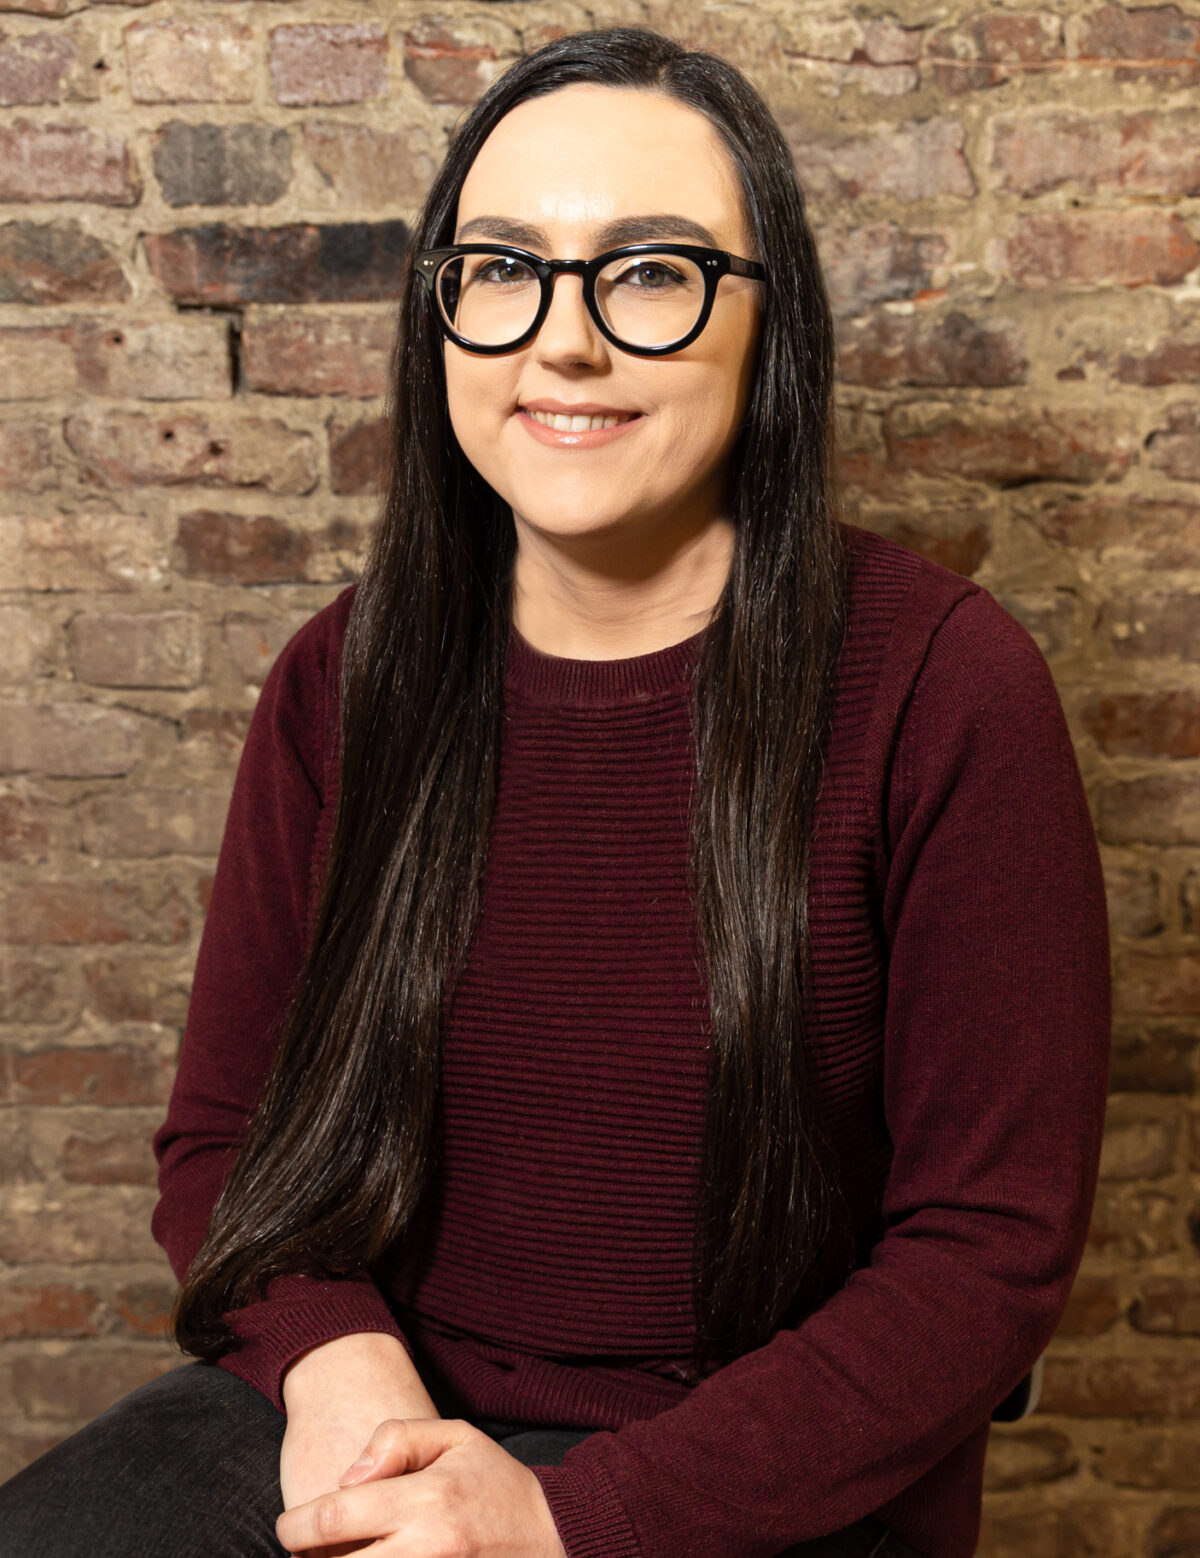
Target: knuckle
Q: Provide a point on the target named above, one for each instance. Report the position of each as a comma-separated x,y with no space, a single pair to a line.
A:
330,1515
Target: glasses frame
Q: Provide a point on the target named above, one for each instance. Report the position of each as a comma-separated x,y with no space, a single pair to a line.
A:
713,263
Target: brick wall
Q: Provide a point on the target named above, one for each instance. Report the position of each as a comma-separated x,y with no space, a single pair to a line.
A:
204,212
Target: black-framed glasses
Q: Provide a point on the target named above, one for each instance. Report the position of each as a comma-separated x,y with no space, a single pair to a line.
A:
646,298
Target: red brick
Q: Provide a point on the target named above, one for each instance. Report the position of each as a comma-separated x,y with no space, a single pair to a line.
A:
1161,809
222,164
254,641
1194,1133
36,67
144,649
190,62
1138,724
1132,1224
879,263
1175,448
345,355
24,828
1093,1307
357,455
1048,616
88,1379
1167,1386
1159,44
46,1309
345,262
220,733
88,912
1139,1139
1170,360
917,161
127,449
1139,153
156,359
1081,1530
143,823
1007,446
37,364
1189,901
886,348
953,539
57,262
34,991
989,48
1134,900
1158,985
1018,1458
371,169
133,989
89,551
80,1223
1167,1306
242,548
116,1158
1176,1532
145,1307
69,740
454,61
1128,248
17,1166
1154,534
65,162
25,457
112,1077
1152,1458
328,63
1156,1058
1155,626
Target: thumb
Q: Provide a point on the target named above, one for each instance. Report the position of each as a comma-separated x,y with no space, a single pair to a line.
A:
403,1444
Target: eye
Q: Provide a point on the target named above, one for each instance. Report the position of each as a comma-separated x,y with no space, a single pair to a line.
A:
657,275
503,271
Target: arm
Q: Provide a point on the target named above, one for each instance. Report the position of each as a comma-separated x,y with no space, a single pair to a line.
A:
994,1088
250,955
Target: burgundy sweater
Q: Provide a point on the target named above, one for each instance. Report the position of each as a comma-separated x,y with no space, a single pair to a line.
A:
960,952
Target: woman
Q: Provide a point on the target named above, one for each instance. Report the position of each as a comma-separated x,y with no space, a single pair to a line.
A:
656,973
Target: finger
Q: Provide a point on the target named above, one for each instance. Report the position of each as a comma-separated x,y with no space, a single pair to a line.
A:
350,1516
403,1444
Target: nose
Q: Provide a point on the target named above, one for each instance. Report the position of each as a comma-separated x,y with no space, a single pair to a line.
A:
568,331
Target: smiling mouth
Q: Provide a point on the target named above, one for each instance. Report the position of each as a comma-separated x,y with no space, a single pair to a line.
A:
578,424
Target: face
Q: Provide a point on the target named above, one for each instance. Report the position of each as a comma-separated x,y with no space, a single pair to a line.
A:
564,167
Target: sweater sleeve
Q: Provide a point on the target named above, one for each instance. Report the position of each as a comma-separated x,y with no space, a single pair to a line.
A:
996,1044
250,955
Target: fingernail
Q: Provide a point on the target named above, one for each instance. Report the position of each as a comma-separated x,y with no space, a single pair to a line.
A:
363,1463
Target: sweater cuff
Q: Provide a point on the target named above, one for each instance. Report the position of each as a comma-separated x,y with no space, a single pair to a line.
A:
299,1312
591,1520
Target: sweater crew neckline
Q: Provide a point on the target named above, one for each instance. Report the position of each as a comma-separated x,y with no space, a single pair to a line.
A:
561,679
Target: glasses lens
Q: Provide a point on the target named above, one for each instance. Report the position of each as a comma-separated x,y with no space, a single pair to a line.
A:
650,299
489,299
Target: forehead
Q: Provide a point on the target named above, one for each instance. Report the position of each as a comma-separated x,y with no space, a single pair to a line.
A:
578,157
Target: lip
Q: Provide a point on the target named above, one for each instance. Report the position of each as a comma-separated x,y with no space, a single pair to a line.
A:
553,438
583,408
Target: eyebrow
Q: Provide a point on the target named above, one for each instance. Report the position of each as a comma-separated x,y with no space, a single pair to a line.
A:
624,229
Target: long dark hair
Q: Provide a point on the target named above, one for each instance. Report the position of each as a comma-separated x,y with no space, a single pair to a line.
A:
337,1155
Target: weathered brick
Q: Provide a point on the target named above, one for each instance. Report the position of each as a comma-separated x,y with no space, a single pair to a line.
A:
1159,809
1176,1532
453,60
55,263
16,1168
254,641
1048,616
89,912
1134,900
241,548
1132,1224
886,348
135,989
36,364
989,48
1128,248
173,61
1139,1140
113,1158
222,164
127,448
1017,1458
1159,1058
220,733
34,990
154,359
345,262
1171,360
88,1379
20,1445
956,540
26,638
69,740
345,355
373,169
1121,1387
25,457
1175,448
143,649
144,1308
1152,1458
1160,44
1145,724
36,67
79,1223
357,455
1139,153
142,823
328,62
66,162
24,828
1167,1306
1094,1306
1153,533
1084,1529
1194,1145
1157,985
111,1076
29,1309
1189,901
89,551
878,263
919,161
1007,446
1154,626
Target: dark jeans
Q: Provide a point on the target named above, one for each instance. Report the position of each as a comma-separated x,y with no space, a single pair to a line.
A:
188,1467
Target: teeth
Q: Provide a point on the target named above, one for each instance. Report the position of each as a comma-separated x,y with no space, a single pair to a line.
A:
578,424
